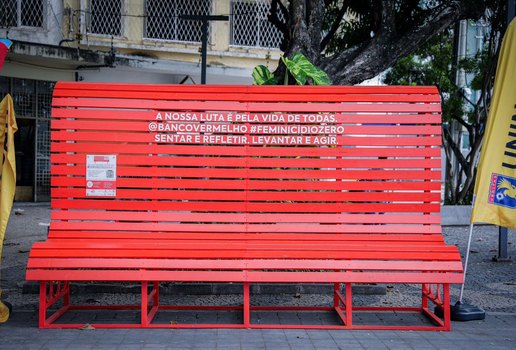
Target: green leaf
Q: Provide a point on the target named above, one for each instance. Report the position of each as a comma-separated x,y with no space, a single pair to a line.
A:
301,69
262,76
296,70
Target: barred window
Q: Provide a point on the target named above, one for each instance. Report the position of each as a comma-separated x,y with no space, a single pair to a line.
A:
21,13
105,17
162,20
250,26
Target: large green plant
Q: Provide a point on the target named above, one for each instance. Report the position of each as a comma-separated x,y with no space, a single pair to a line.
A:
299,67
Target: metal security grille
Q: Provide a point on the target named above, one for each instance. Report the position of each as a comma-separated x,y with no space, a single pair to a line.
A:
104,17
21,13
31,14
23,93
9,13
32,104
250,26
43,111
162,20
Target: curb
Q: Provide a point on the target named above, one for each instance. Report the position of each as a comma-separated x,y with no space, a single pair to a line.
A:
455,215
212,288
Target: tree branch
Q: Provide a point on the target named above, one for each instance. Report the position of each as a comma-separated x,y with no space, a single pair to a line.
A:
382,52
335,26
460,121
456,150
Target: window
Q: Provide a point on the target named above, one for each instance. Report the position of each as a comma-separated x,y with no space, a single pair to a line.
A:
21,13
250,26
105,17
163,21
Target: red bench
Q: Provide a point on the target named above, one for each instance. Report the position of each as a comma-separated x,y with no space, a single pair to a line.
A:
245,184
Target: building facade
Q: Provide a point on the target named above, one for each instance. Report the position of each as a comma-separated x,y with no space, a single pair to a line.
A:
140,41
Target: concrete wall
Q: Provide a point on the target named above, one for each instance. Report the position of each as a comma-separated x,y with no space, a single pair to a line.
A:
50,33
133,42
162,61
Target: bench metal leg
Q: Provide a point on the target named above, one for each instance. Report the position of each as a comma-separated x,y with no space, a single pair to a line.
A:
447,311
154,296
349,305
247,305
67,296
145,304
42,304
439,294
56,291
343,303
336,292
146,314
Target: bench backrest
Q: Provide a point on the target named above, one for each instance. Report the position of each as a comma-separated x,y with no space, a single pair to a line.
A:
166,160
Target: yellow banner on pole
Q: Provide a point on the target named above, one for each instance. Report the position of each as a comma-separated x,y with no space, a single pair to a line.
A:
7,176
495,186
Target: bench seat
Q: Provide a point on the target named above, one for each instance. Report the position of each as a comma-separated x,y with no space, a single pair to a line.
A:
246,185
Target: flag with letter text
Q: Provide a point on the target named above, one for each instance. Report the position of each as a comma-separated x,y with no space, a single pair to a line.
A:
495,186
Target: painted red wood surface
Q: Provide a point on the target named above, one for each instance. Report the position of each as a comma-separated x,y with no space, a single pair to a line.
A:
227,205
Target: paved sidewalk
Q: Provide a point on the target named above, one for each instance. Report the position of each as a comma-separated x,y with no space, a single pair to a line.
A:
496,332
490,285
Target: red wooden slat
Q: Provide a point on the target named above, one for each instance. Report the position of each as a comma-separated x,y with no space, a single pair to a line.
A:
96,203
220,173
164,227
220,89
229,276
248,254
239,106
240,162
240,184
239,245
202,236
210,264
232,218
242,96
206,195
59,113
108,125
96,136
369,151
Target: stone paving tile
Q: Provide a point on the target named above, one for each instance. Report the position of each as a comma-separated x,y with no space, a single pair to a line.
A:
497,332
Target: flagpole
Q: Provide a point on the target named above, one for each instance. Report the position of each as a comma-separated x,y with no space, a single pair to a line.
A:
461,311
466,260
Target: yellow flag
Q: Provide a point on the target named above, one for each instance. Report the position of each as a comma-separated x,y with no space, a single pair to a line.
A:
7,176
495,186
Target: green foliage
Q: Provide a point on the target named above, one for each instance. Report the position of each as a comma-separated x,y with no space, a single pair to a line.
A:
476,65
362,19
432,65
299,67
263,76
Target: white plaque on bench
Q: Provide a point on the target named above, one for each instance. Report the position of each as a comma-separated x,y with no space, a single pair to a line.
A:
101,175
